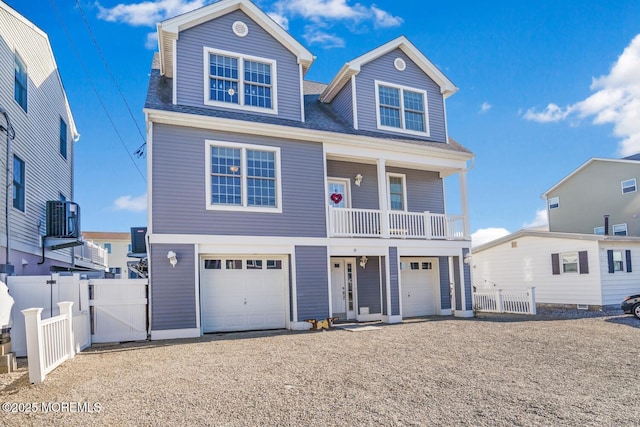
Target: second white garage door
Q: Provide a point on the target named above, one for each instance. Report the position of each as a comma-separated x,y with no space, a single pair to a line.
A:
419,281
243,293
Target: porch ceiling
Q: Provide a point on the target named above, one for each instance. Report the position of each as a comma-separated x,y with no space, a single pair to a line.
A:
419,164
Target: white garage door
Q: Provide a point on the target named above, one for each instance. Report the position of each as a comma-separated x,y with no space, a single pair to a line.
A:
419,281
243,293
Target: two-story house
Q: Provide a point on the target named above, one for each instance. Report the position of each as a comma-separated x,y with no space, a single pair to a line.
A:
587,256
38,132
273,200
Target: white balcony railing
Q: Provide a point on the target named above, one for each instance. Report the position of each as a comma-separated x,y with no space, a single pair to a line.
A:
350,222
90,252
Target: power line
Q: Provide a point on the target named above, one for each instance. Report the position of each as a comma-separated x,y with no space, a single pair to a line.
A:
113,79
95,89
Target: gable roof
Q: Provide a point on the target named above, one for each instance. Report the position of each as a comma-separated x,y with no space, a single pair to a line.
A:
169,30
447,88
584,166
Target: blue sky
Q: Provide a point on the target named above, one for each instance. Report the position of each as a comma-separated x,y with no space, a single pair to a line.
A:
544,86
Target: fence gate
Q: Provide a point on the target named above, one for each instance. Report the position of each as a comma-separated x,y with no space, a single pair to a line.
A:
118,309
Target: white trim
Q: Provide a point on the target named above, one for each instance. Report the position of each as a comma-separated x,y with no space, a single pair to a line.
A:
463,291
369,317
404,190
241,105
196,260
391,319
149,174
171,334
326,190
387,265
243,162
354,102
399,64
402,128
464,313
294,288
329,283
445,312
446,124
300,326
302,112
383,196
174,80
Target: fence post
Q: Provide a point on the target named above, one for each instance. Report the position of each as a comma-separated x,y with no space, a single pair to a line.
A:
35,356
499,302
532,300
65,310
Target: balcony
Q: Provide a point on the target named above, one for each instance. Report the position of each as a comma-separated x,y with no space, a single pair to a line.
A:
350,222
92,254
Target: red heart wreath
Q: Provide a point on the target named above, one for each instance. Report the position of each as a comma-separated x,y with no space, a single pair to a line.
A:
336,198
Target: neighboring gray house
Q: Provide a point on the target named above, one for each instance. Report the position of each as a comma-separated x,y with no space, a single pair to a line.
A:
273,200
35,114
579,202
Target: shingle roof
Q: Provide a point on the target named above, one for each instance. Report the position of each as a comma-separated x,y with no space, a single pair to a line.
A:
633,157
318,115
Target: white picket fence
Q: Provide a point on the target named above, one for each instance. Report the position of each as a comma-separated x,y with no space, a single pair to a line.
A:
50,342
506,302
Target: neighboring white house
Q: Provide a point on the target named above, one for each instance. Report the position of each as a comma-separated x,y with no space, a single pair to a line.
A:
117,245
565,268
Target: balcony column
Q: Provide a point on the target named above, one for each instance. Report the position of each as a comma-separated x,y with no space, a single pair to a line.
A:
382,197
464,203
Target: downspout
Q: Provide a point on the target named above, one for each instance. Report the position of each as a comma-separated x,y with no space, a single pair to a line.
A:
11,134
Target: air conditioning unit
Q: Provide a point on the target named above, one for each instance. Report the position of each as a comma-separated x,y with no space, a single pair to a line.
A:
63,219
138,240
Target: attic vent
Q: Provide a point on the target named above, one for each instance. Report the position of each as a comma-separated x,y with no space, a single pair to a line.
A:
400,64
240,29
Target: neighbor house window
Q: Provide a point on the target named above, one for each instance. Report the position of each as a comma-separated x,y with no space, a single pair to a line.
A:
629,186
401,108
21,82
18,183
397,193
107,247
598,231
554,202
617,261
241,176
620,230
63,138
239,81
569,262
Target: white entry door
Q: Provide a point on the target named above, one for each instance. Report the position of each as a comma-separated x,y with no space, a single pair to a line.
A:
243,293
343,287
339,192
420,286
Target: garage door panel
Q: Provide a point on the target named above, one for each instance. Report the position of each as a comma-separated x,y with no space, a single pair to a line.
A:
419,284
243,299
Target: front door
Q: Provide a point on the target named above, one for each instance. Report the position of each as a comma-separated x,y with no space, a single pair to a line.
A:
343,288
339,196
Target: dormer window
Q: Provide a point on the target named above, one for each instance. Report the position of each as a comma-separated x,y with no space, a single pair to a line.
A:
401,109
239,81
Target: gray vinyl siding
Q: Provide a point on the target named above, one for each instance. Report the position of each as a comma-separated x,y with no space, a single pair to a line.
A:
445,283
312,282
368,286
456,281
173,289
425,191
366,195
179,196
382,69
383,275
37,137
218,34
466,269
343,103
393,280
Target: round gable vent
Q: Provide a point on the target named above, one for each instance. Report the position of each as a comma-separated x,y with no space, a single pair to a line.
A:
240,29
400,64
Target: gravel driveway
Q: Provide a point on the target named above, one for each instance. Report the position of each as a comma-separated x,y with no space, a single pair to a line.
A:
491,370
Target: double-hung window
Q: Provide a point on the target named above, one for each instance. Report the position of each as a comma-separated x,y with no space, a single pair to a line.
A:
397,192
240,81
18,183
401,109
620,229
629,186
570,262
243,177
21,82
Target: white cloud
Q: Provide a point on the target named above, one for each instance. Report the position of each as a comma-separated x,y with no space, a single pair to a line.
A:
130,203
540,220
616,101
485,107
148,13
384,19
315,36
152,41
318,9
485,235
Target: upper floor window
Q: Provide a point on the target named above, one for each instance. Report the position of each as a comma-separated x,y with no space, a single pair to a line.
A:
599,231
18,183
107,247
21,82
63,138
240,81
397,192
243,176
401,109
554,202
620,229
629,186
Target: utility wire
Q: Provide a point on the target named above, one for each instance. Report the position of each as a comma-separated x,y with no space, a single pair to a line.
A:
95,89
113,79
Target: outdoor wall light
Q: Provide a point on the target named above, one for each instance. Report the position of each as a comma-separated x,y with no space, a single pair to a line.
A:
358,179
363,261
467,259
173,259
